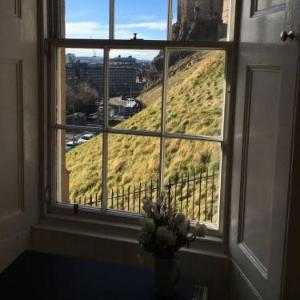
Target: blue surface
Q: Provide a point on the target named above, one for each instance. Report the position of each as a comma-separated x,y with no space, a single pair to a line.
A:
43,276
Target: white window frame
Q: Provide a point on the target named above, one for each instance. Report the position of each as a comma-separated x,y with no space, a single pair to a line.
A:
54,42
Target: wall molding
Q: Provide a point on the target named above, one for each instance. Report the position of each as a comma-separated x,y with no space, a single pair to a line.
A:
246,131
18,64
236,288
16,13
255,261
19,81
244,167
256,12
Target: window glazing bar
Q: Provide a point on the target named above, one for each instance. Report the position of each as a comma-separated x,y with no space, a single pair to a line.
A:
105,133
170,19
166,135
225,166
140,44
163,120
79,128
52,118
111,19
114,130
226,94
193,137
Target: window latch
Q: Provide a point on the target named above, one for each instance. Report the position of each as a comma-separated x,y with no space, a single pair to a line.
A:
135,37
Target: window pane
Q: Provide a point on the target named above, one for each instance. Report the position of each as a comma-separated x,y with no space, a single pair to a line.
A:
87,19
204,20
135,89
79,172
192,178
133,171
81,97
195,92
146,18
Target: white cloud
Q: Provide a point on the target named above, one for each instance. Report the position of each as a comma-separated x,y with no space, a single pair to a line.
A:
140,17
97,30
86,30
139,54
78,14
144,25
85,52
146,18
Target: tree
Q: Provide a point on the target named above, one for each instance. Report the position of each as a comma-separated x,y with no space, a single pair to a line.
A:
81,97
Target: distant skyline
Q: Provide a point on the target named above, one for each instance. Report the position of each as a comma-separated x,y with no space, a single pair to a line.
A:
138,54
90,19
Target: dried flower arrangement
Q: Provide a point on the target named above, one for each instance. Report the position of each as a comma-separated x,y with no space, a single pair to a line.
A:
164,231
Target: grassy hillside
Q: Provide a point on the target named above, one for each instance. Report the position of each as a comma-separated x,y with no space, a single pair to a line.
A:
195,102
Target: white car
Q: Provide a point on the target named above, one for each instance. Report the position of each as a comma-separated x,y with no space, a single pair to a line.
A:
84,138
93,116
70,145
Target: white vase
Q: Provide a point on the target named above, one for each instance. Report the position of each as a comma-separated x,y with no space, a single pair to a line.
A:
166,276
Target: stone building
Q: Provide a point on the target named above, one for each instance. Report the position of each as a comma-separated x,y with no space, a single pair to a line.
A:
189,11
201,20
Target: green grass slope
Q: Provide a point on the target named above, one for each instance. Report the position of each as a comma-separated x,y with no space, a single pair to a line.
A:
195,103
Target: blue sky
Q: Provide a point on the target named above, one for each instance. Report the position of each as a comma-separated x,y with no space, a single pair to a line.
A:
89,19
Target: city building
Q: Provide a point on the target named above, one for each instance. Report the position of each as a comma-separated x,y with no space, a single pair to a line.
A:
125,76
119,60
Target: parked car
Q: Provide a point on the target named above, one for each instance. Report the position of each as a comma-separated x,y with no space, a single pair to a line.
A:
76,115
92,116
68,148
70,145
84,138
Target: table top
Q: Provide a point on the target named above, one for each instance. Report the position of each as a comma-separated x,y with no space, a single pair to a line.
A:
41,276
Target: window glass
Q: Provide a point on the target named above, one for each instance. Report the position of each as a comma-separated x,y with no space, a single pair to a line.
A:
135,89
195,97
200,20
80,167
165,125
133,171
192,20
148,19
194,107
192,178
88,19
82,88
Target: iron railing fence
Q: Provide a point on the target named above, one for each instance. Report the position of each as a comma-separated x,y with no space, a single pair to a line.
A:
195,195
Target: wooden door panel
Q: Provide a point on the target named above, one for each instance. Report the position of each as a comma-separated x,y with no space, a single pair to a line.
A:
264,7
11,133
19,159
293,16
267,76
10,8
260,139
262,25
261,165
